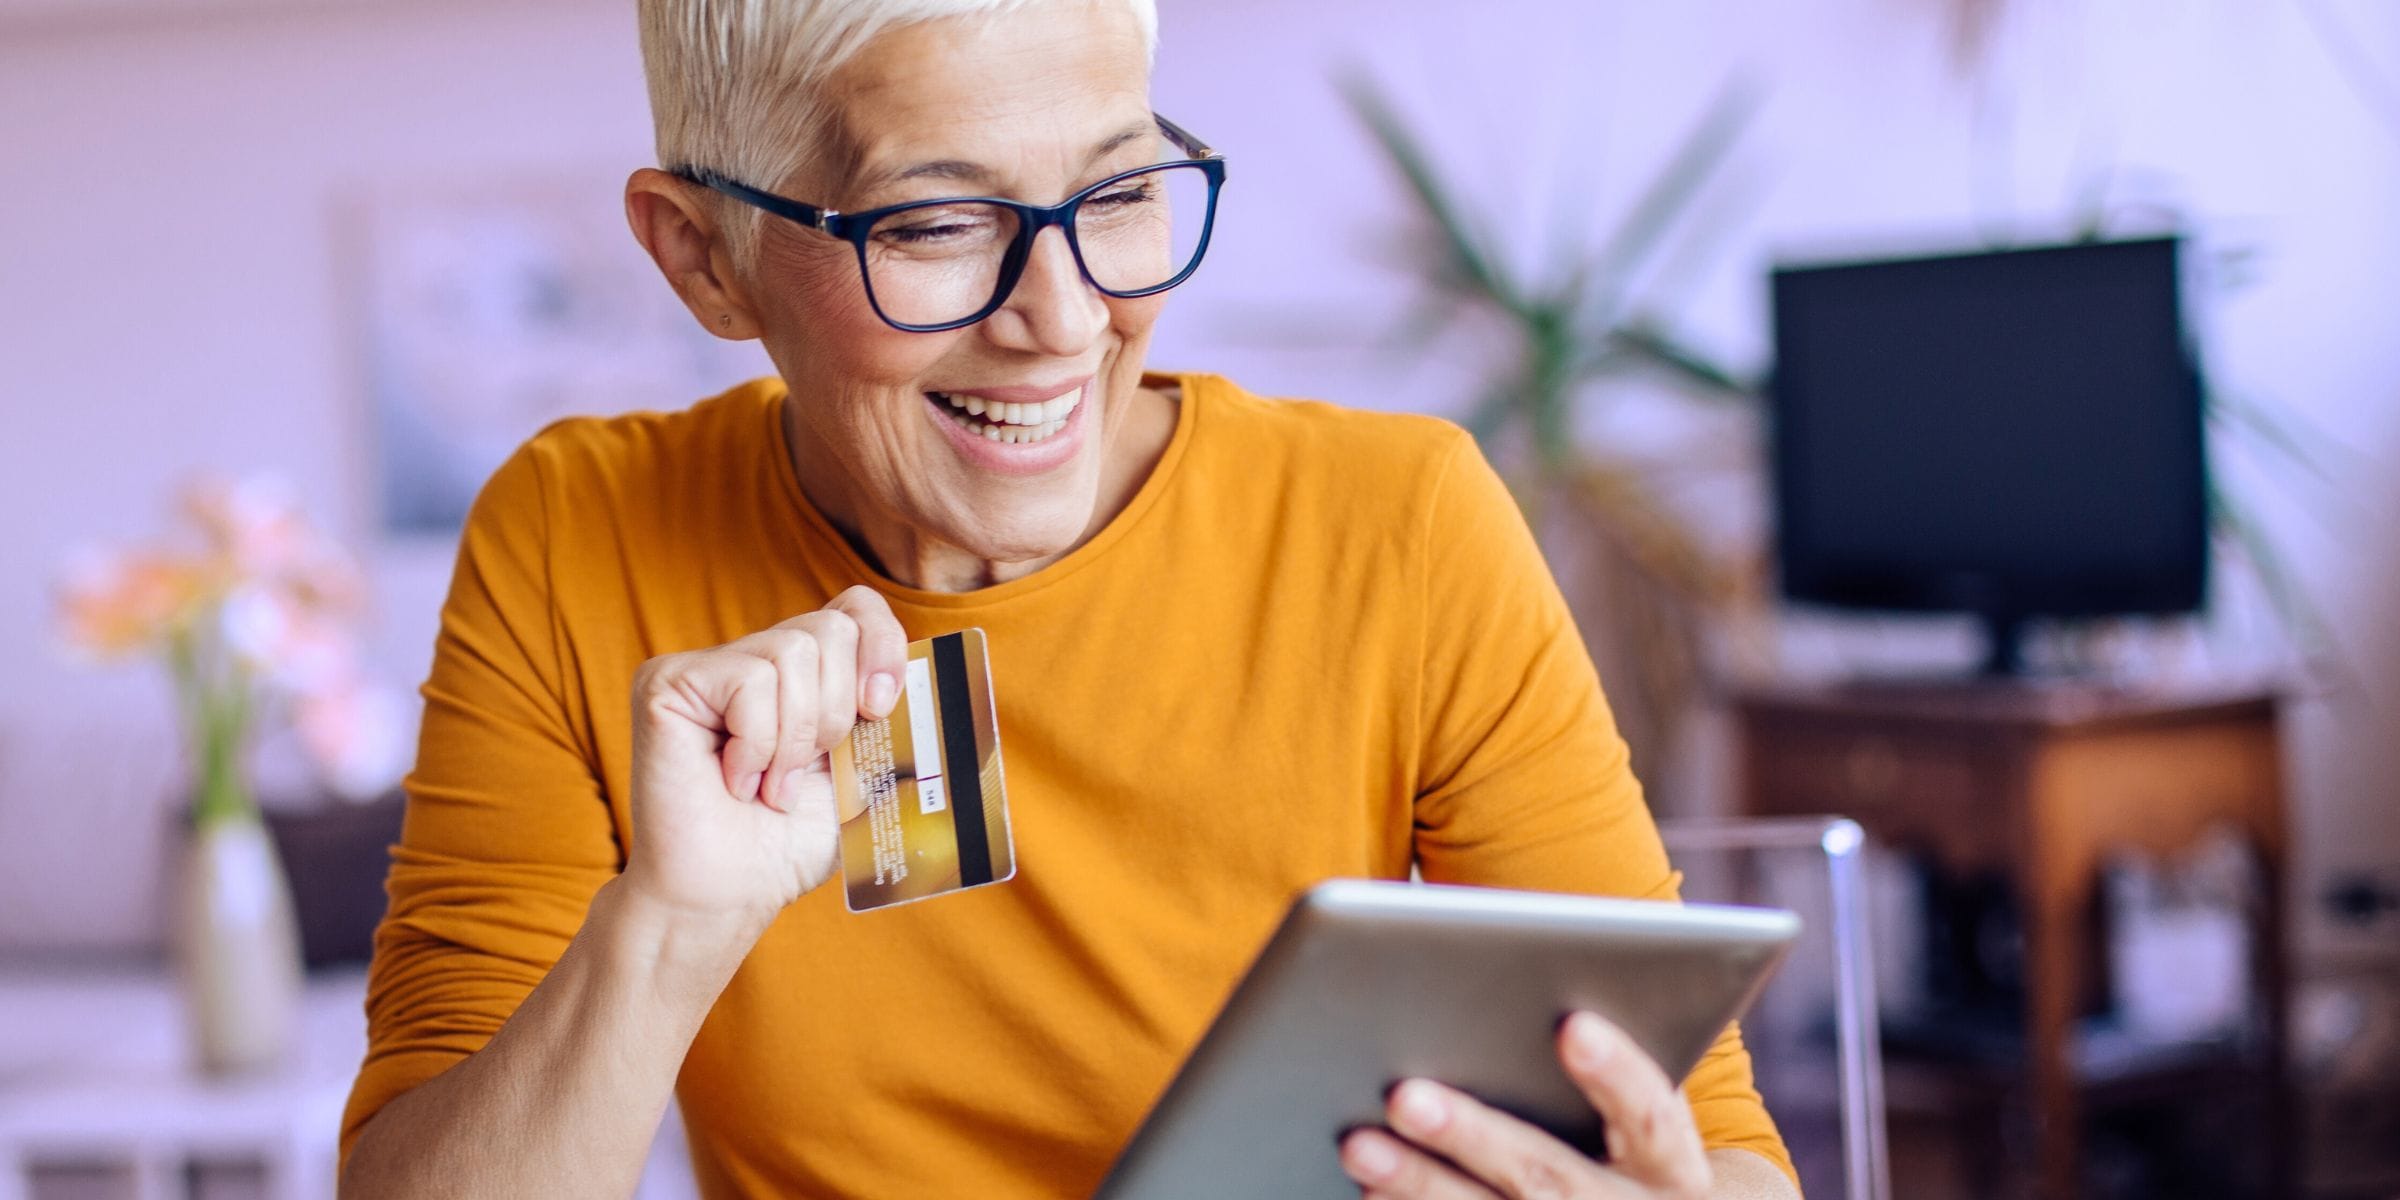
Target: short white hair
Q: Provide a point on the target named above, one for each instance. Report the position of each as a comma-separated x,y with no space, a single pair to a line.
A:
733,83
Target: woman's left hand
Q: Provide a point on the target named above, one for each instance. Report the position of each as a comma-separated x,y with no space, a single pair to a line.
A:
1454,1147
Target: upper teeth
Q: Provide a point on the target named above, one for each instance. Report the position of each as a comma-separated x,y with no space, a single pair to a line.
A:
1039,413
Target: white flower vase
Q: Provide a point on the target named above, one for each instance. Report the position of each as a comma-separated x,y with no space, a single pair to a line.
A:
237,948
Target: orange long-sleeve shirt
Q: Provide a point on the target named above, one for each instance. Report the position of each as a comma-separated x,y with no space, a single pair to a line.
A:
1317,643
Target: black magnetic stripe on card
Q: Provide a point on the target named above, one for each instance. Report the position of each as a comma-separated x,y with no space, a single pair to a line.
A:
950,684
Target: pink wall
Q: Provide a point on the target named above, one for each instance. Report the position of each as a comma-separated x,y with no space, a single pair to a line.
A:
173,297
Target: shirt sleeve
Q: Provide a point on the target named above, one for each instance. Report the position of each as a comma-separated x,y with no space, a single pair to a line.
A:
1523,780
507,833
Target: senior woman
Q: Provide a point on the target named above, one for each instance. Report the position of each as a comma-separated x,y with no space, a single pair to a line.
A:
1238,646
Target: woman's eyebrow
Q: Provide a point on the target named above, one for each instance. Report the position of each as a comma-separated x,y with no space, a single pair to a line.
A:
948,168
1118,140
963,171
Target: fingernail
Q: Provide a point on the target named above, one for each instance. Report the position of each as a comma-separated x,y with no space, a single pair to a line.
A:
1417,1109
791,785
882,689
748,788
1371,1159
1586,1044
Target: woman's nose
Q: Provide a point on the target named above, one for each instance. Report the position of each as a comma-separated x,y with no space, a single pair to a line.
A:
1053,311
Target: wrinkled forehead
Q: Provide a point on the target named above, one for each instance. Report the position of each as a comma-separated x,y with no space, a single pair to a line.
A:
1025,97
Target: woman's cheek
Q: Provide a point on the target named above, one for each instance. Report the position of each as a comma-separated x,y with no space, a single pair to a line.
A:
814,290
1133,319
828,351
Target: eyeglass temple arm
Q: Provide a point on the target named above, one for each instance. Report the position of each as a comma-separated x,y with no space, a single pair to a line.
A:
1183,137
806,214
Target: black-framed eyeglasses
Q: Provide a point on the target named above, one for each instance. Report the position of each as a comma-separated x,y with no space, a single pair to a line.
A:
931,265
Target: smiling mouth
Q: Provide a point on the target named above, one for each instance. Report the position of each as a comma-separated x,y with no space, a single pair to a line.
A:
1012,424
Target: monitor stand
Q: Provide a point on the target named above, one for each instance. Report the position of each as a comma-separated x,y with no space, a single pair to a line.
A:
2003,646
2004,670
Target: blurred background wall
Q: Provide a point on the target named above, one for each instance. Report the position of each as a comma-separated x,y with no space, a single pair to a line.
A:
181,291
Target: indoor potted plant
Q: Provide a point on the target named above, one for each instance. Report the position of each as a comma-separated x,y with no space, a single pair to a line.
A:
250,610
1656,595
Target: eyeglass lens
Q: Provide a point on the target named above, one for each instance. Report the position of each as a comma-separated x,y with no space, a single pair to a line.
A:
939,264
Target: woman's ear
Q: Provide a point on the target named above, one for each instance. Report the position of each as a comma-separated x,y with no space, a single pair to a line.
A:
677,226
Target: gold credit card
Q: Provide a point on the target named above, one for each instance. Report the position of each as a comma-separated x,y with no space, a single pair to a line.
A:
923,808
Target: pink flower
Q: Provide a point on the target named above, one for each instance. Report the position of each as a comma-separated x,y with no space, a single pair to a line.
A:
358,735
257,610
254,527
254,530
116,603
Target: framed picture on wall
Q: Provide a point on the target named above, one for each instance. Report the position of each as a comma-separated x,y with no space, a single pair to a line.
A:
490,312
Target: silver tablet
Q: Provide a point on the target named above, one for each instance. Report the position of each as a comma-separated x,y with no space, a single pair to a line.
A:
1367,983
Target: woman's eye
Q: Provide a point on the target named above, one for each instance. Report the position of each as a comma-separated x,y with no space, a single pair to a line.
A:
937,227
1139,193
915,235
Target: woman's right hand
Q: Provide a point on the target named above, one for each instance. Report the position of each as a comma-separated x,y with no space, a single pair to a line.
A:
734,813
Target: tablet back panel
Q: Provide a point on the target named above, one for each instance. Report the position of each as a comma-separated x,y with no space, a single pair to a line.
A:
1367,983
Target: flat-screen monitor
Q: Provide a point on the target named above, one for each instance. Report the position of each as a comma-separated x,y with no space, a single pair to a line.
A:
2011,434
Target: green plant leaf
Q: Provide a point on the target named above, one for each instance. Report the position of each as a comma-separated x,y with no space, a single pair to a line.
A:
2313,634
1671,191
1652,346
1551,351
1694,243
1463,251
1490,415
2090,203
2281,431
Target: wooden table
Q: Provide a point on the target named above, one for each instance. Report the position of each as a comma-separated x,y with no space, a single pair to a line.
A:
2044,782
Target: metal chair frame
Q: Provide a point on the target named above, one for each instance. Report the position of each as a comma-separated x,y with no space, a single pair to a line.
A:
1858,1042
